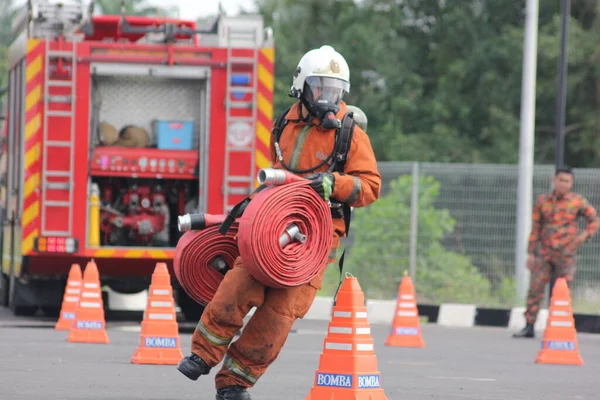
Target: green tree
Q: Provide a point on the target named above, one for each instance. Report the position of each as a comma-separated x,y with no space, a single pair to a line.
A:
6,37
441,81
379,255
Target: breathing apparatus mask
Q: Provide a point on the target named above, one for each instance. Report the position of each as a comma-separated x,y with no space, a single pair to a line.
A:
321,95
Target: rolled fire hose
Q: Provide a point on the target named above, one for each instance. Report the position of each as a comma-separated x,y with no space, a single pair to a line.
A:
203,255
285,233
284,238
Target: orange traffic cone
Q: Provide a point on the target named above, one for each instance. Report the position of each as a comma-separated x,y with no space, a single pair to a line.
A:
348,366
89,325
70,299
406,328
559,344
159,337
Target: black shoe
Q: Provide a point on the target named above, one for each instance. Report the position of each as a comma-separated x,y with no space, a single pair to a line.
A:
193,366
233,393
526,332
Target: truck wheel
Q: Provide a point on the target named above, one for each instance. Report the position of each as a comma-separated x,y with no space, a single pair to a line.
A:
17,292
24,311
51,312
128,286
191,310
4,291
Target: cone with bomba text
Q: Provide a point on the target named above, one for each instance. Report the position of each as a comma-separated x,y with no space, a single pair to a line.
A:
559,344
348,366
159,337
70,299
406,327
89,325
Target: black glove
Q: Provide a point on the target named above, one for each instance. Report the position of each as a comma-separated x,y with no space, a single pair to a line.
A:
322,183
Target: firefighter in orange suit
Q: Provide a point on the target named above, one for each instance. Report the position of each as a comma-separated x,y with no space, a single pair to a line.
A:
305,145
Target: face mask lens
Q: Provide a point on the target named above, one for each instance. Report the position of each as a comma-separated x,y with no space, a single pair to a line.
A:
325,90
323,94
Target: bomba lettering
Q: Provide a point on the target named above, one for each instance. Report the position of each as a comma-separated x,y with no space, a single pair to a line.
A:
368,381
68,315
335,380
89,325
406,331
558,345
170,343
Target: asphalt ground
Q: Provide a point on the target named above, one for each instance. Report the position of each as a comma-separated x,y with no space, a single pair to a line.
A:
36,362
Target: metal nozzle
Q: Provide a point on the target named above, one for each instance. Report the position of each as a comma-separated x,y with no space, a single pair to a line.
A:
191,222
291,233
184,223
271,176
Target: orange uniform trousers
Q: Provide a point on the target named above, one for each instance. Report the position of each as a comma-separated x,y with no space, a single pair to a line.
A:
261,341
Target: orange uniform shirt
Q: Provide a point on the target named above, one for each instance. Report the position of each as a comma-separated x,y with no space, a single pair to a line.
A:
554,222
305,145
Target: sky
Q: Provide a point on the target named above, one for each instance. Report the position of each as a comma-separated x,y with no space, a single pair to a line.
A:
194,9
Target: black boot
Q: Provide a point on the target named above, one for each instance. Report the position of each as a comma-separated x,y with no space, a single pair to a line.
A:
193,366
526,332
233,393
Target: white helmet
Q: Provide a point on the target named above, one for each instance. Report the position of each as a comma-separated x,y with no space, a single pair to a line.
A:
321,80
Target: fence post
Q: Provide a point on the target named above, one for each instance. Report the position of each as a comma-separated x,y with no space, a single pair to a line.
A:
414,220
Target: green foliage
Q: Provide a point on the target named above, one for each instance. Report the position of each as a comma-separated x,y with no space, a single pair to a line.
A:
441,81
6,37
380,251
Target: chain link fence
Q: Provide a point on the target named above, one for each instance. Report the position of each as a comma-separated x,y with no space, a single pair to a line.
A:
463,247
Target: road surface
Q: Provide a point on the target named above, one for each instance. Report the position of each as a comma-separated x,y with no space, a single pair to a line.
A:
457,364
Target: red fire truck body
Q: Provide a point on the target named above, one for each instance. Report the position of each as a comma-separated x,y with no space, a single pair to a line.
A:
116,125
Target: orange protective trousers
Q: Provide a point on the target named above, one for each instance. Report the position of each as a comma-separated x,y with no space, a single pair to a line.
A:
259,344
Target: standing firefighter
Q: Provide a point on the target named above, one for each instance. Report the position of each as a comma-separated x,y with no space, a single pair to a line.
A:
303,141
554,228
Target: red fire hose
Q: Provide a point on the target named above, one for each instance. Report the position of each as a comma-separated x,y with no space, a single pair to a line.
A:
285,233
202,257
283,237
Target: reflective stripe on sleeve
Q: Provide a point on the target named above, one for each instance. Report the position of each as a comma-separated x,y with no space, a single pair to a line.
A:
356,188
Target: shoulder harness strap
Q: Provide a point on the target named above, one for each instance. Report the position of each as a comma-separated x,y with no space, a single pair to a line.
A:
280,124
343,145
344,141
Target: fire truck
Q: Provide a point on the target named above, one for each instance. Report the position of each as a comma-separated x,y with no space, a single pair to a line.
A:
116,125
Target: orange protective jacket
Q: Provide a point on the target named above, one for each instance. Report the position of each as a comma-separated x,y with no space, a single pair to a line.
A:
554,223
305,145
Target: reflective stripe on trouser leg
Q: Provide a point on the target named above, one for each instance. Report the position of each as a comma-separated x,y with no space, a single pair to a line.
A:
265,333
238,370
211,337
